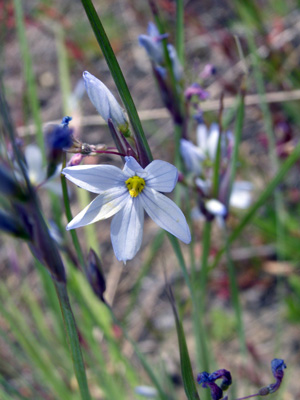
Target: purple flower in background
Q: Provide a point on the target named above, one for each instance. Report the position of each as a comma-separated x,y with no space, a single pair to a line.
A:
196,90
126,194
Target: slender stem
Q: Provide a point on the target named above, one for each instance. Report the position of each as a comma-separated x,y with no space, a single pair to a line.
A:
70,217
28,73
180,30
235,295
117,75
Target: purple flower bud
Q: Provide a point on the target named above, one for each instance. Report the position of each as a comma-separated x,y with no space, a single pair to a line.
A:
208,380
277,366
58,138
75,160
95,275
205,380
208,71
196,90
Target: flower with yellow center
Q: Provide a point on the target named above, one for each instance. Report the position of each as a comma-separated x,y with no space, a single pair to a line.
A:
125,194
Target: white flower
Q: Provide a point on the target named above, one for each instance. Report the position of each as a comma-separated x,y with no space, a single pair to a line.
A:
146,391
192,156
125,194
37,172
207,140
241,194
104,101
207,143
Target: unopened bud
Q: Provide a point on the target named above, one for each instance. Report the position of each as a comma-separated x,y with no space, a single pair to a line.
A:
95,275
10,225
104,101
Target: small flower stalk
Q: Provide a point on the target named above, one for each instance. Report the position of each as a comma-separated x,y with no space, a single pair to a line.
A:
167,69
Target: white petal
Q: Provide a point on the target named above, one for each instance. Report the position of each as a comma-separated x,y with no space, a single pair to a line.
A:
95,178
212,141
127,230
202,135
192,156
216,208
153,48
162,176
105,205
104,101
132,167
165,213
177,67
241,195
203,185
34,161
146,391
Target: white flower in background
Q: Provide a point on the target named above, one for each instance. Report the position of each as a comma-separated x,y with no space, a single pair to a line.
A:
126,194
205,152
152,43
192,155
146,391
241,195
37,172
104,101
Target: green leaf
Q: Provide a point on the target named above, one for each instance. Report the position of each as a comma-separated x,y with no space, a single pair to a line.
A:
185,362
117,74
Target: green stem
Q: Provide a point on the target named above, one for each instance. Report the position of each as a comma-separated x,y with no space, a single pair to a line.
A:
73,339
70,217
29,78
180,31
235,295
117,74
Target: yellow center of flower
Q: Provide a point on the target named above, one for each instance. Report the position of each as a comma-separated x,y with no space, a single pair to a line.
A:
135,185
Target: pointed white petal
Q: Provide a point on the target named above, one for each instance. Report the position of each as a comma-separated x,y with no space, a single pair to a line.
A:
132,167
127,230
105,205
177,67
165,213
212,141
95,178
34,161
215,207
202,135
162,176
152,47
192,156
146,391
203,185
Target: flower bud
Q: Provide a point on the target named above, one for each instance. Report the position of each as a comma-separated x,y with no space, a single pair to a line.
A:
104,101
95,275
11,226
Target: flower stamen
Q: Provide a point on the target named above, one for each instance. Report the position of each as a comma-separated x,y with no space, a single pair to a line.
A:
135,185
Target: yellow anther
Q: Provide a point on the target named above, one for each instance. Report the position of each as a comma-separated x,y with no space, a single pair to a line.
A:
135,185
